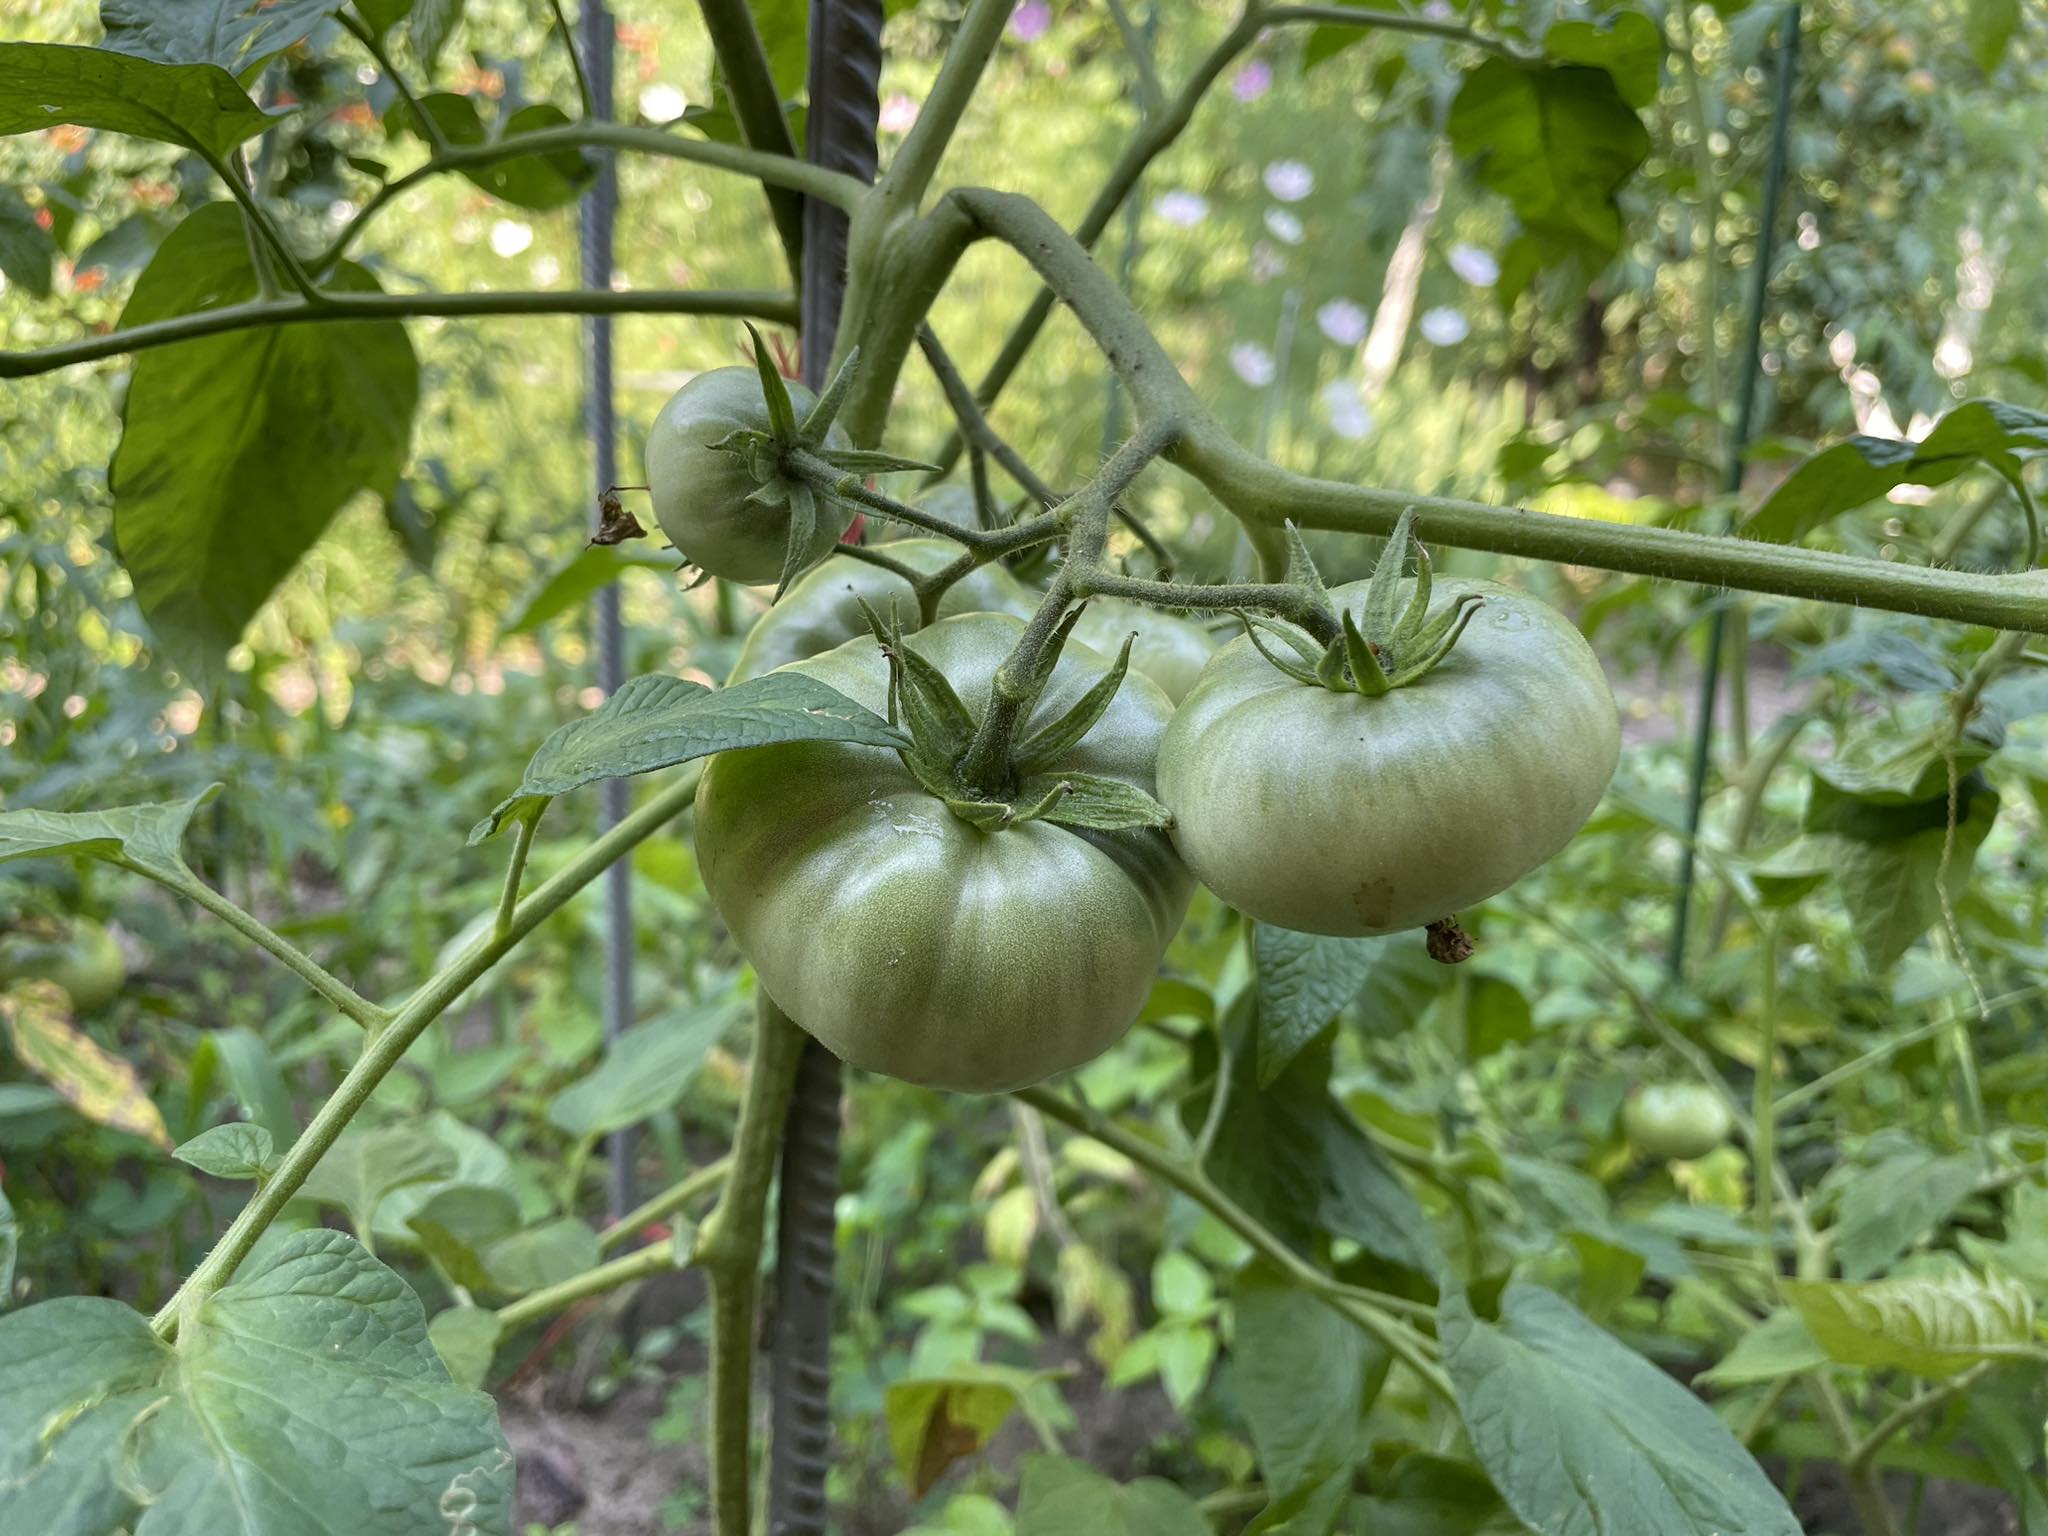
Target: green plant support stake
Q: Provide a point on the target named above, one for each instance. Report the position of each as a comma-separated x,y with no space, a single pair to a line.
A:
1738,445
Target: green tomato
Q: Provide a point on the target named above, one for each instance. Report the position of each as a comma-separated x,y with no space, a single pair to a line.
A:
86,962
1676,1120
822,607
912,943
1169,650
700,492
1339,813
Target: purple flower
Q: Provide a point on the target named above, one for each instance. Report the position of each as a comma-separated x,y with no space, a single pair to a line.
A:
1289,180
1252,363
1029,21
1475,266
1343,322
1349,415
1181,209
1283,226
1443,326
898,113
1252,81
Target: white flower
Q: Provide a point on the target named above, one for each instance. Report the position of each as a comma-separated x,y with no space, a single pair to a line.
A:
898,113
1444,327
1475,266
1349,417
1343,322
1283,226
1252,363
1289,180
509,237
662,102
1181,209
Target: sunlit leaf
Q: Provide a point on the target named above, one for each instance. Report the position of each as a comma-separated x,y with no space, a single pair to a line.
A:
1929,1325
99,1085
199,106
238,35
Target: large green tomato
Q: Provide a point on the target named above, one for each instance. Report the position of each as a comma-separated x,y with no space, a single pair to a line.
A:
913,943
1340,813
86,962
700,492
822,607
1676,1120
1169,650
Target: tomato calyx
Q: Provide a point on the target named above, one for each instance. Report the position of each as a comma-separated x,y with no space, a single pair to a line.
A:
793,462
942,730
1384,646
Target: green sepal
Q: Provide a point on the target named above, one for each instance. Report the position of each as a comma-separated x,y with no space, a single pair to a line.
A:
1367,675
866,461
988,815
803,528
1097,804
938,722
1048,745
1381,594
1333,671
1300,671
1042,668
1438,637
819,422
1418,605
888,635
934,778
1301,566
775,493
781,412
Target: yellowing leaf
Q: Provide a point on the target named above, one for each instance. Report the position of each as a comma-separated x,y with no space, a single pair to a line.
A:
100,1086
1931,1326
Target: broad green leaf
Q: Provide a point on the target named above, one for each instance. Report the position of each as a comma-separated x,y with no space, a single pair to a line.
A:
1609,1271
542,1256
466,1338
98,1084
365,1165
1861,469
304,1397
578,579
645,1070
144,837
2022,1252
1990,25
1777,1347
26,249
1931,1326
1429,1495
198,106
1303,1376
1059,1497
237,1151
238,35
236,450
1584,1437
1627,44
1400,987
475,1160
1305,981
656,722
458,1222
431,23
1291,1155
552,180
1496,1015
383,15
935,1421
1557,143
253,1079
1886,1209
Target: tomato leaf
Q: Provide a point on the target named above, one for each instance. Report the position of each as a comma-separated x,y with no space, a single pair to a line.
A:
656,722
541,1256
238,35
26,249
144,838
544,181
236,1151
1305,981
363,1166
643,1072
430,23
1581,1434
303,1396
1976,433
1886,1209
95,1082
1059,1497
1627,44
1929,1325
199,106
579,578
466,1338
1777,1347
937,1420
236,450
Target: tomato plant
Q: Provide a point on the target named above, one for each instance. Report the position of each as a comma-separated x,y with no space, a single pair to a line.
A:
1319,969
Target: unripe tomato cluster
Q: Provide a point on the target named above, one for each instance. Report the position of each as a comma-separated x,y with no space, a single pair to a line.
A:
915,941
